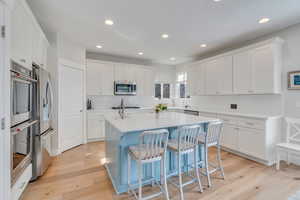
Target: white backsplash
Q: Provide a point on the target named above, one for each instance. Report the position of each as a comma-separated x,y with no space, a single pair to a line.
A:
106,102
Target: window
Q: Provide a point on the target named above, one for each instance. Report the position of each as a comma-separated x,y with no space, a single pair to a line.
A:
158,90
166,91
181,83
163,90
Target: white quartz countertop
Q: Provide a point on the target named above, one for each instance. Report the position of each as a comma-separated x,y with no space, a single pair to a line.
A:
237,114
150,120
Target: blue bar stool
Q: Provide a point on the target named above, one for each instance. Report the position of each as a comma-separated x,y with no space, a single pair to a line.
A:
151,148
185,143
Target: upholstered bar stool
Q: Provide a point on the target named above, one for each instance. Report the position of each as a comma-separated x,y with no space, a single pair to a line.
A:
185,143
211,138
151,148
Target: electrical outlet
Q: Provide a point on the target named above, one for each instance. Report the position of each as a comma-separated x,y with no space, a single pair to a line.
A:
233,106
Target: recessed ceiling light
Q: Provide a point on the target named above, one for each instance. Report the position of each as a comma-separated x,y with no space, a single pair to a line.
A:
172,58
203,45
141,53
165,36
264,20
109,22
99,46
217,0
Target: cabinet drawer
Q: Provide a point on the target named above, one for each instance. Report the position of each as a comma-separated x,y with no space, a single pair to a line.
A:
252,123
228,120
21,183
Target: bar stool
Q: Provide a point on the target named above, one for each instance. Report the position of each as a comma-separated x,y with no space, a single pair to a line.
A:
151,148
211,138
185,143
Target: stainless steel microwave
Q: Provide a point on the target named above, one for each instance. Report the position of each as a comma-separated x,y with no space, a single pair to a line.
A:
125,88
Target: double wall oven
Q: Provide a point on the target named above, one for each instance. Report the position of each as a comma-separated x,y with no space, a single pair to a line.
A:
22,122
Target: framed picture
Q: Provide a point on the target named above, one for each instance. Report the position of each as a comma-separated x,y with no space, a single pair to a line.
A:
294,80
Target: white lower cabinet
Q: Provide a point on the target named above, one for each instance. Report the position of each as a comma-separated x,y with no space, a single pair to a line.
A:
95,127
229,138
252,142
19,187
252,137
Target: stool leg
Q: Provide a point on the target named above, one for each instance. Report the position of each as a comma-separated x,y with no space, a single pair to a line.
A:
220,161
277,160
206,166
140,179
180,177
197,170
128,171
152,173
164,171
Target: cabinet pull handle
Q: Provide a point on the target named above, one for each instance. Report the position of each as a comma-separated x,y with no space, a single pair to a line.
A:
249,123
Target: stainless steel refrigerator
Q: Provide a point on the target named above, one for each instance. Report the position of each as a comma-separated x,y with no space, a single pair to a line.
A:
43,109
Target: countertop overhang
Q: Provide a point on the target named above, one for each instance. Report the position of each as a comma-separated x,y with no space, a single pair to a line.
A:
147,121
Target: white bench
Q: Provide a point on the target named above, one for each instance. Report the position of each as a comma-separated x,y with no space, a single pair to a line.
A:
292,144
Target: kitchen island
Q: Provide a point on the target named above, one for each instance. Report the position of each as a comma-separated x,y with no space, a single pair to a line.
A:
122,133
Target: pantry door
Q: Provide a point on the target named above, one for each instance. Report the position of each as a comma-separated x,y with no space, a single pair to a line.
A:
71,94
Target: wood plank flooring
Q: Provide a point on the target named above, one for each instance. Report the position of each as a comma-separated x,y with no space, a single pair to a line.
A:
79,174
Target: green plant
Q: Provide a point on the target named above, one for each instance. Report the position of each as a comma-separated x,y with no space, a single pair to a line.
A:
160,107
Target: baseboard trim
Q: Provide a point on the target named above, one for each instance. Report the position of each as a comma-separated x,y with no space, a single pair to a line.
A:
95,140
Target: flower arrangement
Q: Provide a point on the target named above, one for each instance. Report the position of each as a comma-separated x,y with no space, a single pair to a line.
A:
160,107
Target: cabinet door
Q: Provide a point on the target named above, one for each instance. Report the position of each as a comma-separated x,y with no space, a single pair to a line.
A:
99,78
37,44
263,70
44,52
224,75
149,82
192,81
212,77
252,142
21,37
229,137
124,72
95,128
242,73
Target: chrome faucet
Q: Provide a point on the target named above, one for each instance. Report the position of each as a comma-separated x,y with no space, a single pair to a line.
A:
122,109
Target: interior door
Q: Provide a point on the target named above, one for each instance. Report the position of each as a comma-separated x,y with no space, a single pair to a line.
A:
71,107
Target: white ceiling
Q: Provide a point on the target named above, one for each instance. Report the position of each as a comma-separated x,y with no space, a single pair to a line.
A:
138,24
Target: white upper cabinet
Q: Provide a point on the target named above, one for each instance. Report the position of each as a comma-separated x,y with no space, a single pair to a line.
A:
263,70
258,70
28,42
219,76
145,81
196,79
124,72
255,69
21,37
242,71
99,78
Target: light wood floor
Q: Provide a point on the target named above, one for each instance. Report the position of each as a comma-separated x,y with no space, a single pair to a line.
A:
79,174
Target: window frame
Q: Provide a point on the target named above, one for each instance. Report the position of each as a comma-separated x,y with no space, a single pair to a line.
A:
162,90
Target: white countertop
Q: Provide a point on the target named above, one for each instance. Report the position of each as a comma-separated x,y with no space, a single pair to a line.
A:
151,120
233,113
